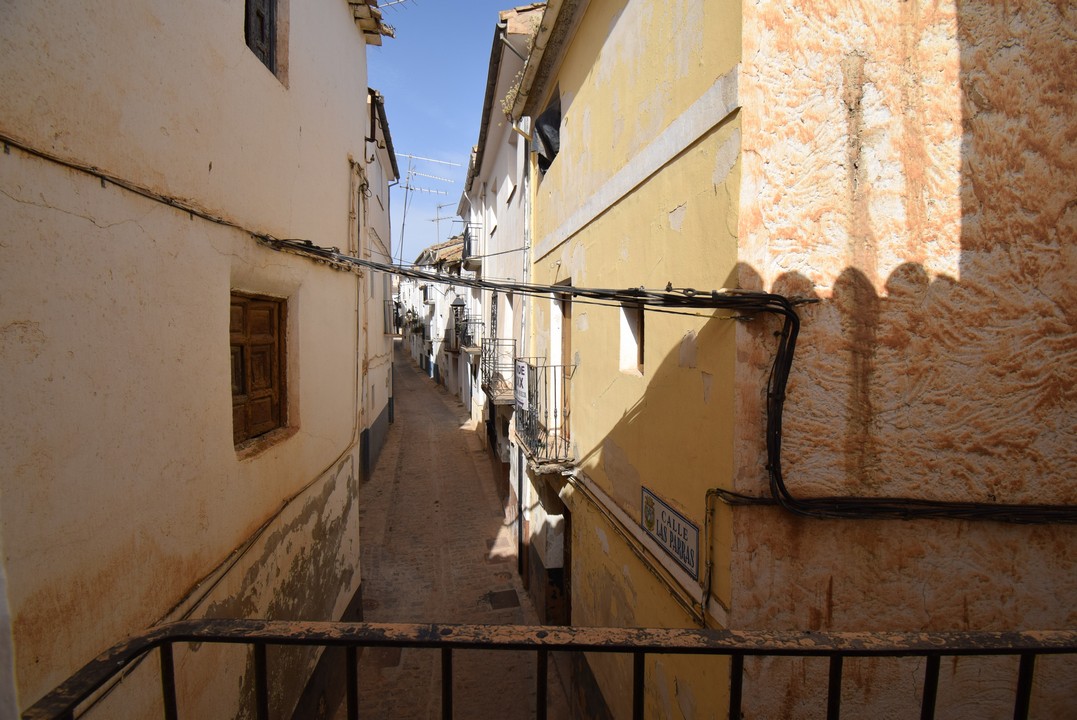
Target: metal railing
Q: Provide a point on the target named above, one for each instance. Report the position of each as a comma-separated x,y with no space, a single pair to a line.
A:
542,421
470,331
498,357
469,255
62,702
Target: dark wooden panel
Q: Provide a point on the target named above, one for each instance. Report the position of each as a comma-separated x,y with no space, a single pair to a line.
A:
235,319
262,318
263,366
239,387
261,415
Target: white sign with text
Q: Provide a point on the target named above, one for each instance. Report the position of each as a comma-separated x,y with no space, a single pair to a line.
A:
674,532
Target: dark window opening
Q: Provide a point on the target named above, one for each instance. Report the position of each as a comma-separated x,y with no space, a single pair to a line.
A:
256,332
547,134
261,31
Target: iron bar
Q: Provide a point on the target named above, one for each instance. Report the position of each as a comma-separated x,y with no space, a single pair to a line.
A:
1024,686
833,692
261,682
736,685
168,682
931,688
352,662
446,683
541,683
638,671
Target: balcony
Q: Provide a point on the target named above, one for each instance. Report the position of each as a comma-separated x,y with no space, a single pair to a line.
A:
471,259
732,648
498,357
542,416
469,330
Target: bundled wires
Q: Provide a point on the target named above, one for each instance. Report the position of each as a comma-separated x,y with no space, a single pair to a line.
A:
741,303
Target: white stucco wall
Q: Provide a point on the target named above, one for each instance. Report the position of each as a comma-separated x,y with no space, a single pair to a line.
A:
121,486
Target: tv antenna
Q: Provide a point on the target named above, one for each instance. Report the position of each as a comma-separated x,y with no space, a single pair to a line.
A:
409,177
438,217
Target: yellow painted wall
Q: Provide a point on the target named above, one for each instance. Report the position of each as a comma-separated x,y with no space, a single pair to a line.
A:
644,192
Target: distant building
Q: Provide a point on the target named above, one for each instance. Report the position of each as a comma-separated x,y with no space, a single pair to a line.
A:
494,207
184,421
430,316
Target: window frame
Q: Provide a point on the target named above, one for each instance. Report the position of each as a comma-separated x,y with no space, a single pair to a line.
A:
631,339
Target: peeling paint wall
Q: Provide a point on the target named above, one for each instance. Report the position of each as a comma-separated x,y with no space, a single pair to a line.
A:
124,499
911,165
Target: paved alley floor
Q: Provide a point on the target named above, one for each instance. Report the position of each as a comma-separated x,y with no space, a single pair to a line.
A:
435,550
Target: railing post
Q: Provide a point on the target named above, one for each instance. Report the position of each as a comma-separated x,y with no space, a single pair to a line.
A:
931,688
446,683
168,682
261,682
638,671
833,700
736,685
352,662
541,684
1024,686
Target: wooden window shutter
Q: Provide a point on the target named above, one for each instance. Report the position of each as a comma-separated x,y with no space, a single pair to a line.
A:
261,30
256,331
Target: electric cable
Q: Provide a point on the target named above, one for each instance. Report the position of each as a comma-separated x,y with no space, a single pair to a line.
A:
740,301
743,303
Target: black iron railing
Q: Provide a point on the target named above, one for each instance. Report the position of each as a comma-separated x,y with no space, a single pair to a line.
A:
470,256
542,416
498,356
470,331
62,702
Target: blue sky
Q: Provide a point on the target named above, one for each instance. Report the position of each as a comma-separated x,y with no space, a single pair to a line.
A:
433,77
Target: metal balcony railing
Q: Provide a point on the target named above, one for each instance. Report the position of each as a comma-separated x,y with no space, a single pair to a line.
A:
542,416
470,331
62,702
470,257
498,356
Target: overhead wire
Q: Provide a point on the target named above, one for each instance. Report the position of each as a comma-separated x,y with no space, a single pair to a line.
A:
740,301
743,303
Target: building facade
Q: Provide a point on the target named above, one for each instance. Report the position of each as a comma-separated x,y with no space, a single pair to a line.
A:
495,209
185,405
904,169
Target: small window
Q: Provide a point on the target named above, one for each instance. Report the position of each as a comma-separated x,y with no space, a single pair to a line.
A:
261,31
256,330
632,339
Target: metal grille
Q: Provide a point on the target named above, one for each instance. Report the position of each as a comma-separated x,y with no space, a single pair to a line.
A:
498,356
542,425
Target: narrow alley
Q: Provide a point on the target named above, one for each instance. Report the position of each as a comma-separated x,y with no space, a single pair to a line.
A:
434,549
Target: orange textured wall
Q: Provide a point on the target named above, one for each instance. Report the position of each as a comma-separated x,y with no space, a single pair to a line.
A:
912,165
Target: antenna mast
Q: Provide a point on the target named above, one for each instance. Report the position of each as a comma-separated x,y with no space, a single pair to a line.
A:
409,176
